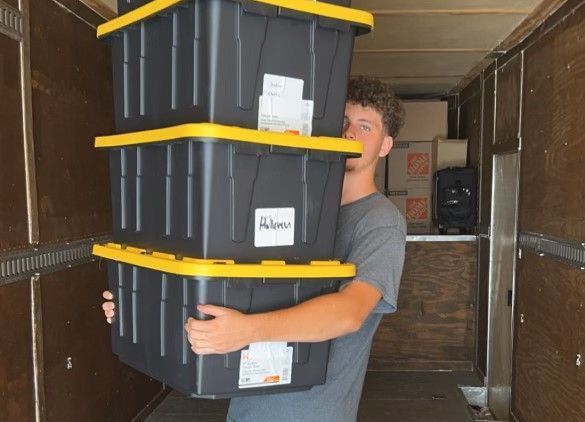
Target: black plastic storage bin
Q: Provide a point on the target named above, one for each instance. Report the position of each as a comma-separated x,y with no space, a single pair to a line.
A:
205,60
156,293
125,6
213,191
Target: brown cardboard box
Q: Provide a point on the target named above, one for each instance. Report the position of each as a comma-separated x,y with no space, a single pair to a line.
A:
408,162
410,165
424,121
415,205
449,153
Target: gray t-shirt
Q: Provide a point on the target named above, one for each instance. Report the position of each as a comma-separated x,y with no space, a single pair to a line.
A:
371,234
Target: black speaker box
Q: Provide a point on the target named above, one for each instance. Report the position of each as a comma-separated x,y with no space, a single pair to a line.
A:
455,199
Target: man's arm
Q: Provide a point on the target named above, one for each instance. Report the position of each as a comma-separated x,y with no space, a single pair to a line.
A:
321,318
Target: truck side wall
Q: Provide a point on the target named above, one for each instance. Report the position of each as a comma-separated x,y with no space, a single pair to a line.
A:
536,90
55,355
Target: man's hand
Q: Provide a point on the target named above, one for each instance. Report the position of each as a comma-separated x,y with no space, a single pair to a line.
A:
229,331
108,306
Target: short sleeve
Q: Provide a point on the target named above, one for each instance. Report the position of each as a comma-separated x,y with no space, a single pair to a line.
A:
378,255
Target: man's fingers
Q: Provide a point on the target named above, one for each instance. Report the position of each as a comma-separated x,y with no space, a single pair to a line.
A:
109,320
197,325
212,310
107,306
193,335
203,350
107,295
201,344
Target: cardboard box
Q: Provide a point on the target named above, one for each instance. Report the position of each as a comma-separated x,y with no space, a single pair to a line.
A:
425,120
449,153
410,165
415,205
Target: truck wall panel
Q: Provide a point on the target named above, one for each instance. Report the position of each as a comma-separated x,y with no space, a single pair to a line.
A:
547,384
453,116
72,103
553,132
508,101
482,305
470,121
434,326
470,91
13,211
16,359
485,187
97,386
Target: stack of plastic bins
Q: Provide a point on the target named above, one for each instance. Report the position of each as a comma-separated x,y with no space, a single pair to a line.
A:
191,176
217,192
205,61
157,292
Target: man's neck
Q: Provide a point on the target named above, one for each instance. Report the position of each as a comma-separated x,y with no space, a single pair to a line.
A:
357,186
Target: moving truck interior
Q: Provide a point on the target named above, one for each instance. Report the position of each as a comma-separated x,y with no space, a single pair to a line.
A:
490,323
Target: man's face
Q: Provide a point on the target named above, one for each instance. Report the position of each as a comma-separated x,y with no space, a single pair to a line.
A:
365,124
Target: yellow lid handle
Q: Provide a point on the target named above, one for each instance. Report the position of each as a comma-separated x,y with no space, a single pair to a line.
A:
231,133
168,263
358,17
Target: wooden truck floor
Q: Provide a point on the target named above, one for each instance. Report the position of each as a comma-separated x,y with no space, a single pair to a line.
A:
409,396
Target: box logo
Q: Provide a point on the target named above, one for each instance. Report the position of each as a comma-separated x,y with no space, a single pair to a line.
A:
417,164
416,209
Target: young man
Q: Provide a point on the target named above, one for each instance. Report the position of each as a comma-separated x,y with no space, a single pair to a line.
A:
370,234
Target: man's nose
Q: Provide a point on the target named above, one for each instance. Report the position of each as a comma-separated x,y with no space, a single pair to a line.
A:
349,133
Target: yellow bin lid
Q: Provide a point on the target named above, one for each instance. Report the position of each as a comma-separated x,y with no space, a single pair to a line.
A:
168,263
231,133
360,18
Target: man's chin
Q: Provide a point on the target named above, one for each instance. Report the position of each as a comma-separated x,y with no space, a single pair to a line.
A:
350,165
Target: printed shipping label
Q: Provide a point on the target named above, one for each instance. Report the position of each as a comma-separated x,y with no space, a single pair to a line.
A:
265,364
416,209
281,107
274,227
417,165
281,115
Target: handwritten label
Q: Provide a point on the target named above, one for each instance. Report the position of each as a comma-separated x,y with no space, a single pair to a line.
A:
274,227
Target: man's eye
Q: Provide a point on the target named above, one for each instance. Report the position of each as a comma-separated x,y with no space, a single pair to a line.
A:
365,128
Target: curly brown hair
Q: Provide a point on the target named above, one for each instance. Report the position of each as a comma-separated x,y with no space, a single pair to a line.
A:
371,92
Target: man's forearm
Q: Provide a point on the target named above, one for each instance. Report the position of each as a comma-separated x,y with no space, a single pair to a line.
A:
322,318
318,319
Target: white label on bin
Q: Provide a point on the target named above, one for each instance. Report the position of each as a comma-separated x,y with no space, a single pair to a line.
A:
282,87
265,364
281,107
274,227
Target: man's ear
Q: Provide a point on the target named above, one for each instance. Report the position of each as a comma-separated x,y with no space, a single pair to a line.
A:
387,144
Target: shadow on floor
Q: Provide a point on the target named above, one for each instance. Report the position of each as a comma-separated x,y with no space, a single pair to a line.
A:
387,396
